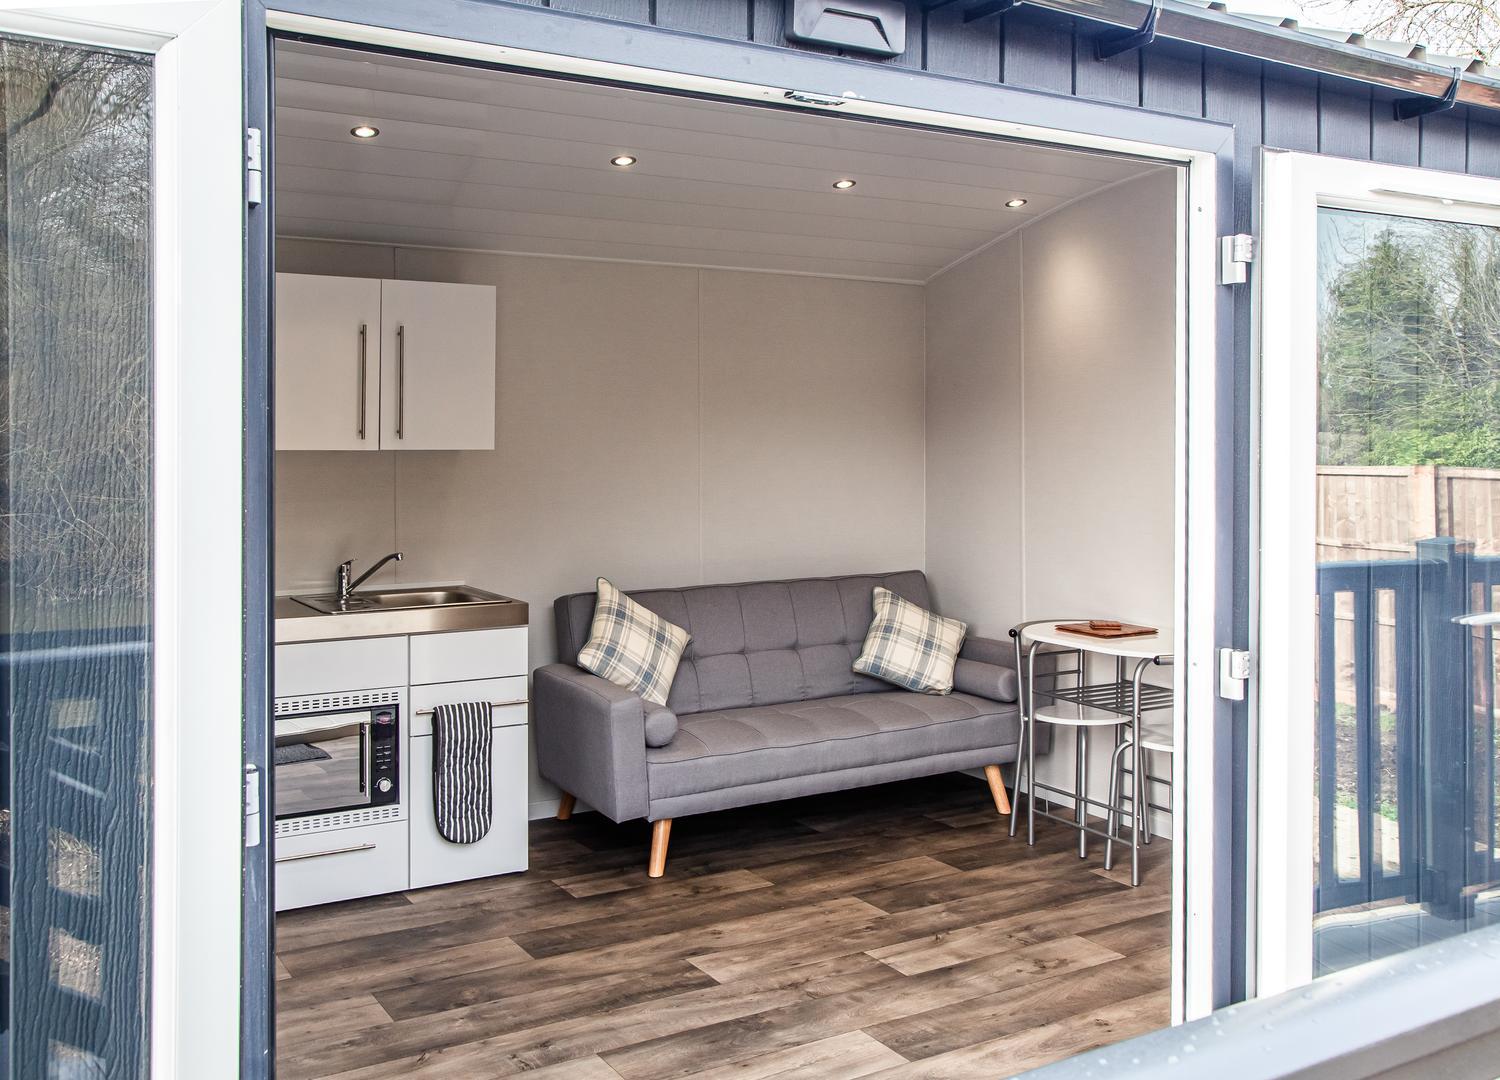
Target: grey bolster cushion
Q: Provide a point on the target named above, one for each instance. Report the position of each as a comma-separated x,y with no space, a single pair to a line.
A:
661,725
591,739
985,680
989,651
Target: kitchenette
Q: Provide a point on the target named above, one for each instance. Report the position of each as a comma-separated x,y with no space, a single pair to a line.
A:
363,679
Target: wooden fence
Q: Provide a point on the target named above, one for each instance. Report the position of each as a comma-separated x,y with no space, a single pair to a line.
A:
1381,512
1378,513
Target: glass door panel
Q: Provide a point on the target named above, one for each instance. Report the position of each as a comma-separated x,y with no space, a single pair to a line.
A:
1407,563
75,556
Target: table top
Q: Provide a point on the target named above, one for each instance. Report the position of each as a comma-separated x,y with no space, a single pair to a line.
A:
1146,646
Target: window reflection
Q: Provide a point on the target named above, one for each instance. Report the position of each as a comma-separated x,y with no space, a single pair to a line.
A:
1408,493
75,517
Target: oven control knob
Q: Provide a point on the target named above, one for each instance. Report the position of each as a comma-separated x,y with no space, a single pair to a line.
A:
383,785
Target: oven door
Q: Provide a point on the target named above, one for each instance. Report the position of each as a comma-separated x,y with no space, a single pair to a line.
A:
323,763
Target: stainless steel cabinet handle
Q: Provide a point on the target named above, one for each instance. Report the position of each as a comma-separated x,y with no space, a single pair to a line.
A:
493,705
363,339
401,382
320,854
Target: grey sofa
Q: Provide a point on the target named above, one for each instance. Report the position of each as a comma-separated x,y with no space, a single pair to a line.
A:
764,706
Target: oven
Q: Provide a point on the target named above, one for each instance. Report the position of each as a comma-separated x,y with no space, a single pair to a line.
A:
337,760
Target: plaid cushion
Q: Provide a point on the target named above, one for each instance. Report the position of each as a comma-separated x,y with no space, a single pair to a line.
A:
632,647
910,646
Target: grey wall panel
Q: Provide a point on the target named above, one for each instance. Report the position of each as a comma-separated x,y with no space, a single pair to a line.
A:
1290,103
1231,94
1172,79
1038,51
1484,145
768,21
1395,142
1343,118
728,20
962,49
1117,79
1444,141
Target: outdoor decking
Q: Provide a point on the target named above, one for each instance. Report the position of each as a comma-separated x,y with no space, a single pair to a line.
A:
897,931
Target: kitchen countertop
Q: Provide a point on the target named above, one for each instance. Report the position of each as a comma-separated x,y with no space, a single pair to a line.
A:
297,622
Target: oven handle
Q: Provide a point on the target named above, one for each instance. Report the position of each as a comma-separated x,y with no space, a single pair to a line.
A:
320,854
364,759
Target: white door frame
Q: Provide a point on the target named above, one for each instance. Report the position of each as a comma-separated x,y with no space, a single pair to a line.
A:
198,347
1198,494
1292,188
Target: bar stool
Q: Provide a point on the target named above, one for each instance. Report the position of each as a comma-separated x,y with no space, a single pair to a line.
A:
1155,737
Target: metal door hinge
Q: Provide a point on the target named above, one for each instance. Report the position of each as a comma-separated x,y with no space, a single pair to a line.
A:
252,806
254,173
1235,254
1234,673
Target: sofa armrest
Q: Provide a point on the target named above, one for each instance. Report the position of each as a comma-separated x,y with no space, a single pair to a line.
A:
591,739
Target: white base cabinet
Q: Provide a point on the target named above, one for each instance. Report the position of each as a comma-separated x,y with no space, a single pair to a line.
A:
319,861
340,864
434,861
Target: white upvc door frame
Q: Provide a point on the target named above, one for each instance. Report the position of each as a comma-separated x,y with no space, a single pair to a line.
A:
1198,388
198,347
1292,187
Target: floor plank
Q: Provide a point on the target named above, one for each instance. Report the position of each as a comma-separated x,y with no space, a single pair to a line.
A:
1036,1046
894,931
839,1057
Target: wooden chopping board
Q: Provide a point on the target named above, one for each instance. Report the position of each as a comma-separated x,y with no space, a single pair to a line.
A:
1122,631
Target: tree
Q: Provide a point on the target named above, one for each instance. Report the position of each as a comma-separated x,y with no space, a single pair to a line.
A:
1459,27
1409,342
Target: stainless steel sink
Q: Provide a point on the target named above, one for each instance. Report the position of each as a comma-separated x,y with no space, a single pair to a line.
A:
401,600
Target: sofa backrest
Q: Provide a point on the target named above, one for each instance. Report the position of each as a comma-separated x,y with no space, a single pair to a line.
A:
759,642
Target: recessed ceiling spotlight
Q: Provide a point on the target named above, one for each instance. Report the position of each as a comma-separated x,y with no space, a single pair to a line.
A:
364,131
843,185
1016,204
622,161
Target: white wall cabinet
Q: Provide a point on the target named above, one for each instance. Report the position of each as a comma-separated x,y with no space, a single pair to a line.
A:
370,364
437,363
327,363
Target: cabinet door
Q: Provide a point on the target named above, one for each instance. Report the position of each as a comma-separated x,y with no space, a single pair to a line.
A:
438,366
503,850
327,363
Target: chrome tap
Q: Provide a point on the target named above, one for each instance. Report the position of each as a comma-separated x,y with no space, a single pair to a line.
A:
346,571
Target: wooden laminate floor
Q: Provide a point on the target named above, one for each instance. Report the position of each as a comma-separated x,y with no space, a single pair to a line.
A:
895,932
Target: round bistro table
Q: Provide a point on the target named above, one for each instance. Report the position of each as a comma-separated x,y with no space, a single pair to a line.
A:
1117,703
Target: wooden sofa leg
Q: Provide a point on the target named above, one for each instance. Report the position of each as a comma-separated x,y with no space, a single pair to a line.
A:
661,833
565,806
997,788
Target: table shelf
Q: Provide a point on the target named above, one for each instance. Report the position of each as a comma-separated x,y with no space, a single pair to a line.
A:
1115,697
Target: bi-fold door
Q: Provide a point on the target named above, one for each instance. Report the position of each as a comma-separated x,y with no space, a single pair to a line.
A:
121,345
1378,729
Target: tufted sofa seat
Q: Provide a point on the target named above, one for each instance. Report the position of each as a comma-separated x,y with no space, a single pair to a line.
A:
765,704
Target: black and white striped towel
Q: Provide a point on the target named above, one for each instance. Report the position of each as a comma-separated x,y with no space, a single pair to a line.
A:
461,797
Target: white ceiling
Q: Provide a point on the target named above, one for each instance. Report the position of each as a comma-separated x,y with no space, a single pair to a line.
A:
494,161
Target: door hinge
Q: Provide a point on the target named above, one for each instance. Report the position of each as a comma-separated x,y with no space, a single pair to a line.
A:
254,173
1235,254
252,806
1234,673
